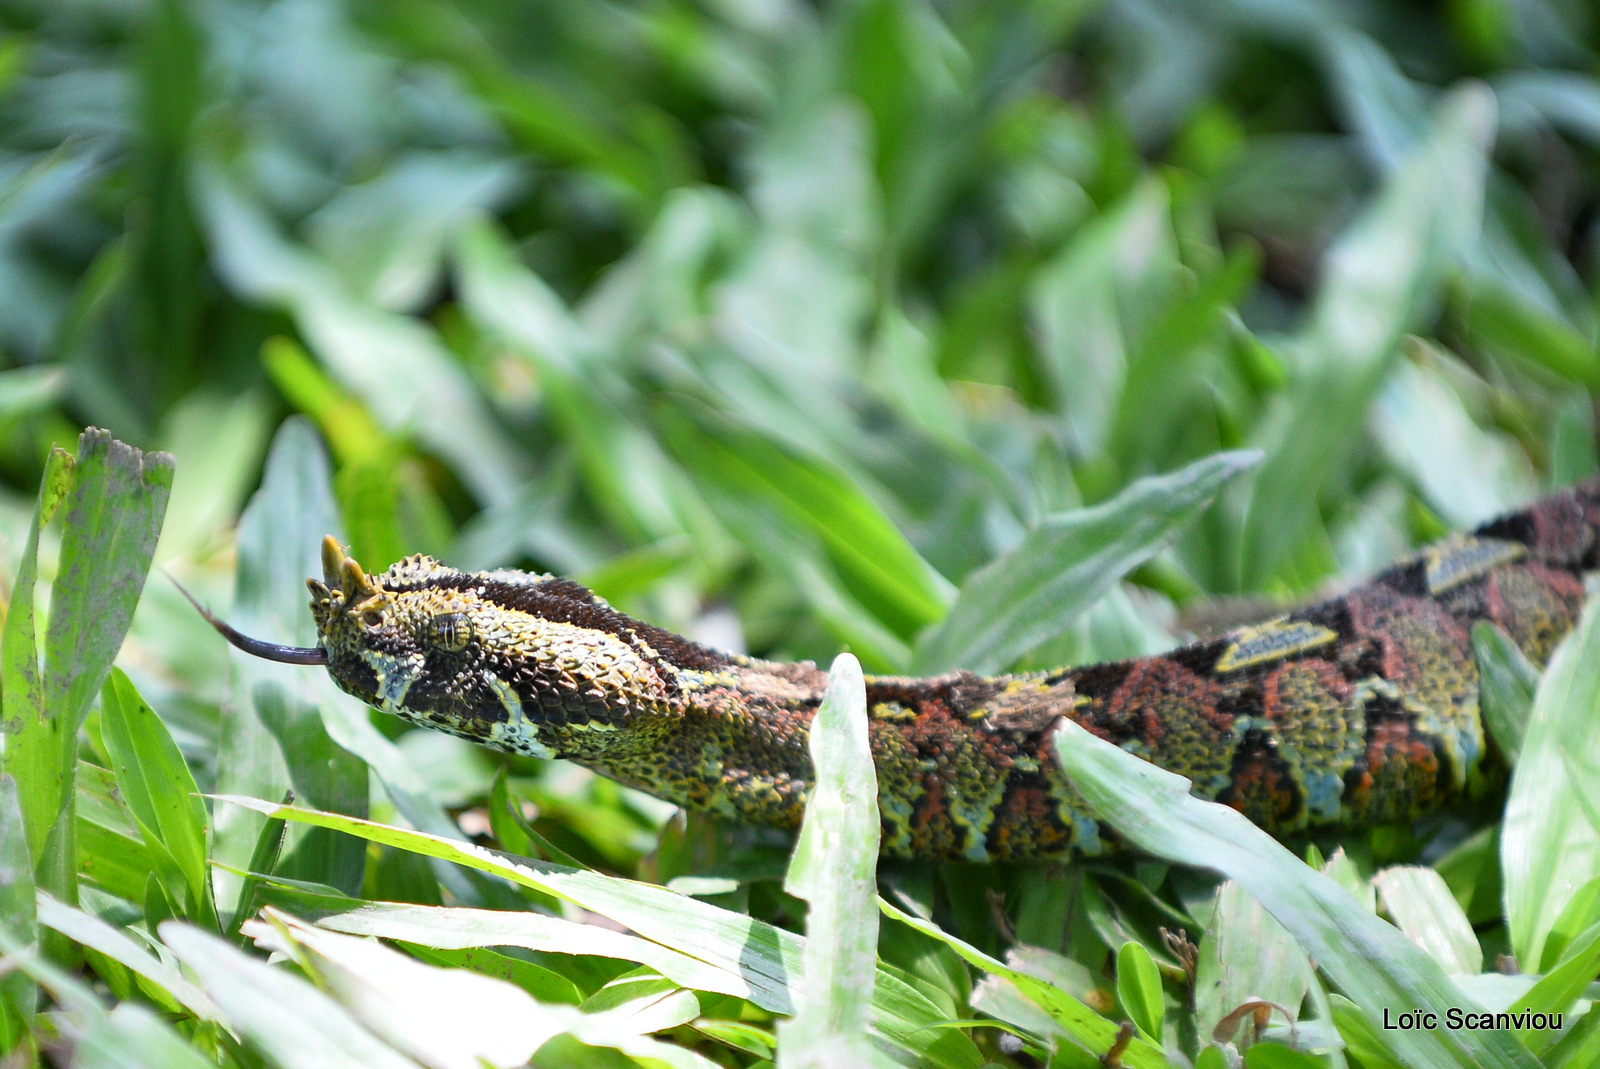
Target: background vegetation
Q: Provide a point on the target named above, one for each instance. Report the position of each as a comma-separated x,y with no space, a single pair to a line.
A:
793,327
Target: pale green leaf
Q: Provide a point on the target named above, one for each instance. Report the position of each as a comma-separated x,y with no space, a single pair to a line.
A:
1549,848
1065,564
1361,954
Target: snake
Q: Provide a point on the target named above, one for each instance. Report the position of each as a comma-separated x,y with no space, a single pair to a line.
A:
1358,710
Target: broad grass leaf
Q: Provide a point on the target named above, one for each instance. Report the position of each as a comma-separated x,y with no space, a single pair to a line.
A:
460,929
114,498
757,956
1139,989
1559,988
276,1012
17,909
1549,847
415,1008
1244,954
1421,905
1579,1046
640,1002
1382,274
112,853
1365,957
90,931
159,790
132,1035
834,867
809,496
111,524
1507,682
1067,563
272,731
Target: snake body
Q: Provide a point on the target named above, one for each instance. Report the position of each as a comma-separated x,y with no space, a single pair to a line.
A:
1356,710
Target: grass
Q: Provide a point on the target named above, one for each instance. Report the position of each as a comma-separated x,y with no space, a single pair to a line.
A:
983,335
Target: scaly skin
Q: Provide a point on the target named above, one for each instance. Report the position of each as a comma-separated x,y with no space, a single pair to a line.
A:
1357,710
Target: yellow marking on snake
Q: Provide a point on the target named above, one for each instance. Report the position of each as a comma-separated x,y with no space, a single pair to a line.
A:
1462,559
1272,641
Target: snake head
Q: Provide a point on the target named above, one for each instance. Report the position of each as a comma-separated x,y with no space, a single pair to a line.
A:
528,663
389,635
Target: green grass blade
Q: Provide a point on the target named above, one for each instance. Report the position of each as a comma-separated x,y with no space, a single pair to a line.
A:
811,496
133,1036
1139,989
760,957
1558,989
454,928
1507,682
32,745
114,498
414,1007
1065,564
272,732
834,868
1369,960
160,790
1087,1028
1384,272
283,1016
92,932
17,912
112,521
1421,905
1549,848
1244,954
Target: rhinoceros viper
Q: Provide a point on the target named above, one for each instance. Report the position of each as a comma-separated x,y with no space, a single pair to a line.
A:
1360,709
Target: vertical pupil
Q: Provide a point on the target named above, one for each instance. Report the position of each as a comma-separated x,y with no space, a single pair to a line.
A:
452,630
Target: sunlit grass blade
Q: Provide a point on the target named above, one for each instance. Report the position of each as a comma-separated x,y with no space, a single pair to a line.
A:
415,1008
91,931
132,1035
835,862
812,496
1549,846
1369,960
459,929
283,1016
1065,564
758,956
1421,905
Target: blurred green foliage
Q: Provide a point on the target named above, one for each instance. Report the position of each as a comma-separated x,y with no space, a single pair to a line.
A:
794,327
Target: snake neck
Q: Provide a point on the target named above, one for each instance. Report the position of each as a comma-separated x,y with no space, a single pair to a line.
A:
954,754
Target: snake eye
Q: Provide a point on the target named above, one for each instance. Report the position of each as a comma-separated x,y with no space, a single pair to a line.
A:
372,618
452,631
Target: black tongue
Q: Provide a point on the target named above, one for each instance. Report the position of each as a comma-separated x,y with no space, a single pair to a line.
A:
254,646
